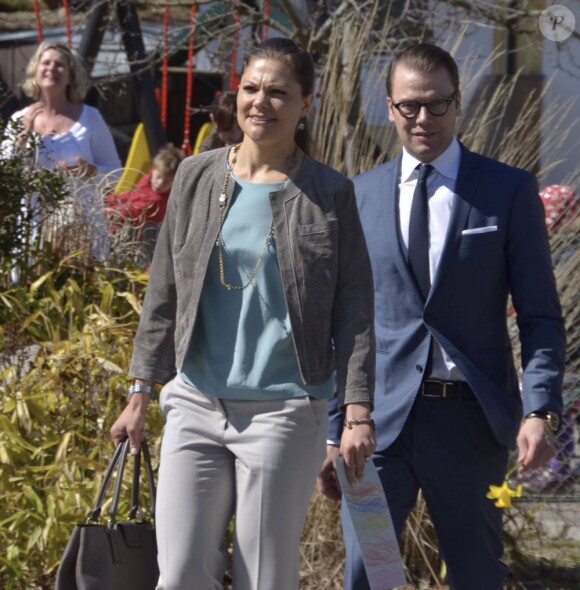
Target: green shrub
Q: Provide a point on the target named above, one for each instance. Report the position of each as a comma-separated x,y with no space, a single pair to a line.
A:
65,343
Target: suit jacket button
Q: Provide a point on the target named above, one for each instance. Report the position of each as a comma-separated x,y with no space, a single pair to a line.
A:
419,368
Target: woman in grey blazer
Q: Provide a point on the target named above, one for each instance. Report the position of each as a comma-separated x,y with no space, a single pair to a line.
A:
259,305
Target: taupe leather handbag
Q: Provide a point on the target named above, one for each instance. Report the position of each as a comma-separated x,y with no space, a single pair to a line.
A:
115,555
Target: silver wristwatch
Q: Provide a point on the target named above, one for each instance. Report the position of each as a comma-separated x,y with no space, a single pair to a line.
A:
141,388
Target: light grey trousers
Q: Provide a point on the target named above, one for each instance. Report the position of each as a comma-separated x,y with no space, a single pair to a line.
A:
255,459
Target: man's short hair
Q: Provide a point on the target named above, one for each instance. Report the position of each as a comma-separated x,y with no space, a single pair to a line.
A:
424,58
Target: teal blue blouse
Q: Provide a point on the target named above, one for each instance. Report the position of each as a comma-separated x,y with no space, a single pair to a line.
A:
242,345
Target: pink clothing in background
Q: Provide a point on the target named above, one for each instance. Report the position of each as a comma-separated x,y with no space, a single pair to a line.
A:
560,204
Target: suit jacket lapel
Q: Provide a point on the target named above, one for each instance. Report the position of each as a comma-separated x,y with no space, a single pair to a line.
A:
467,182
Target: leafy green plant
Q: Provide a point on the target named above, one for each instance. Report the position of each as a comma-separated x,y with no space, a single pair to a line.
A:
66,342
28,195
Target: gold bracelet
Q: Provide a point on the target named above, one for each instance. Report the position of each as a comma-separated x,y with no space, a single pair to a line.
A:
350,423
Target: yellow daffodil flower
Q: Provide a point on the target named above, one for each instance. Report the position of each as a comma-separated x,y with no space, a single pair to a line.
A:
503,494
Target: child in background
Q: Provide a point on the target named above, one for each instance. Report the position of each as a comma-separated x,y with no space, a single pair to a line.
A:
143,208
223,115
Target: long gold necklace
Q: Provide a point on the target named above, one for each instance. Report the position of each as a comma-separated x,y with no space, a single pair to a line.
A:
222,203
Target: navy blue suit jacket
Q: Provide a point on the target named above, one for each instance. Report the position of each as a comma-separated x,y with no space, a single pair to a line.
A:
466,307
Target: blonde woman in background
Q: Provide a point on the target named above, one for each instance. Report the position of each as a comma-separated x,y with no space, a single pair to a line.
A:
73,136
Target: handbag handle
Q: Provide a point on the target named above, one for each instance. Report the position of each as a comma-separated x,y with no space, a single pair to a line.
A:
136,478
96,511
120,459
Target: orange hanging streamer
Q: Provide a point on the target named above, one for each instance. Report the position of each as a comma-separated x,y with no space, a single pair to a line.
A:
165,66
186,146
38,21
67,22
233,75
265,26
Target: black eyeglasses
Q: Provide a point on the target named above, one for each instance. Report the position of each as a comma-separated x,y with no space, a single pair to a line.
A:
436,106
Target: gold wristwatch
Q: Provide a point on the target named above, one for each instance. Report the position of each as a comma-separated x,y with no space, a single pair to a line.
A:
551,419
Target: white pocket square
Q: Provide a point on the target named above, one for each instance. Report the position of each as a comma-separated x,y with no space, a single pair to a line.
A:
479,230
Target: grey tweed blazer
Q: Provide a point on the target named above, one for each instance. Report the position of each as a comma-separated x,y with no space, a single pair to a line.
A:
324,266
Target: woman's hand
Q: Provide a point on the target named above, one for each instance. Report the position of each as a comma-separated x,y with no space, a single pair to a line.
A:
79,169
31,113
131,422
28,123
358,443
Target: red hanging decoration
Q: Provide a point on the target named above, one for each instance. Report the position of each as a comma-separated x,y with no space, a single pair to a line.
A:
38,21
67,23
165,66
234,82
265,26
186,146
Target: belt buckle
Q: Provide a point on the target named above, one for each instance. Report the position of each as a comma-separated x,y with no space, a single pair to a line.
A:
424,389
444,385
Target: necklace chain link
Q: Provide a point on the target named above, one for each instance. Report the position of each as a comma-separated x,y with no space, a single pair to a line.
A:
220,242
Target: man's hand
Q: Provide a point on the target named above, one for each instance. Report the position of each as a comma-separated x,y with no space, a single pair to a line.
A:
535,444
131,422
327,480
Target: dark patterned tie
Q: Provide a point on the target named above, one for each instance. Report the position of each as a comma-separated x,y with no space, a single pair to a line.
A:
419,231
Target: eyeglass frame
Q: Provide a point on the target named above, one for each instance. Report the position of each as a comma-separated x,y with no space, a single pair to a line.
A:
425,103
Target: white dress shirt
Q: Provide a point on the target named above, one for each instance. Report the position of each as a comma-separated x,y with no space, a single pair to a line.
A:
441,191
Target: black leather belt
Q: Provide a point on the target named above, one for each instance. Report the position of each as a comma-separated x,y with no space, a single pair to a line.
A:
446,389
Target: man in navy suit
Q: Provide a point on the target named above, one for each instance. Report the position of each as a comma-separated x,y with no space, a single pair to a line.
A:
448,243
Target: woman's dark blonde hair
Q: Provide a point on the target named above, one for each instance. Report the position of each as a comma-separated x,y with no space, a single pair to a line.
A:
79,83
293,55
